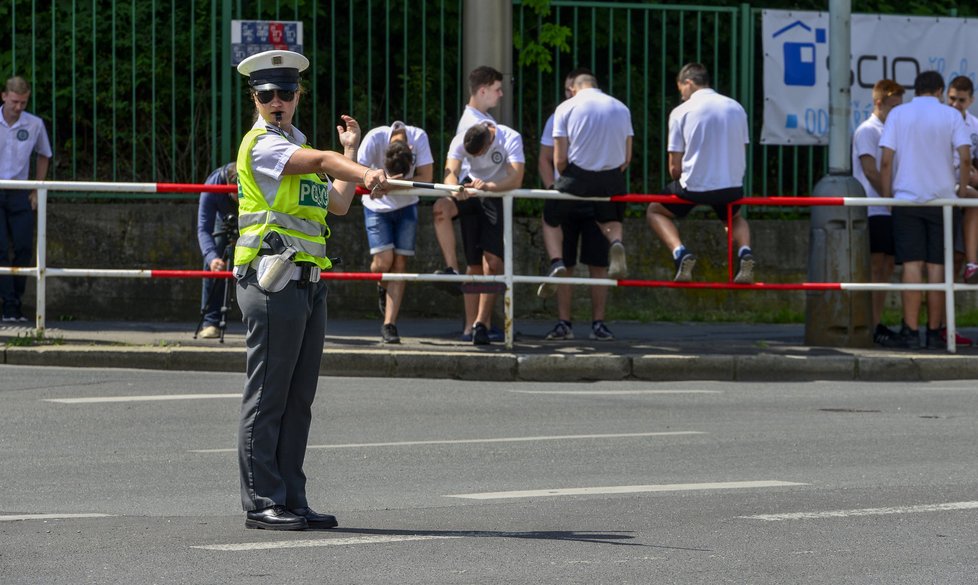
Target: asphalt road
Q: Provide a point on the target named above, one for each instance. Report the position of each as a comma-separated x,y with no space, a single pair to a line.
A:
441,481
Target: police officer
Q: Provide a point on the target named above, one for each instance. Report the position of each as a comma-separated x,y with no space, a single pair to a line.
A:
284,197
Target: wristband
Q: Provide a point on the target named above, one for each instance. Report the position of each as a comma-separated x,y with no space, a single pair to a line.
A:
364,179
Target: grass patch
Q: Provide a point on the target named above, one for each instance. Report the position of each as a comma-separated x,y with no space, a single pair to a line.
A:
652,314
32,339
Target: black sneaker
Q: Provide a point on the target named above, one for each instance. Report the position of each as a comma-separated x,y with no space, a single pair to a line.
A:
15,318
547,289
562,330
910,337
600,332
886,337
389,333
382,300
745,275
936,339
684,266
480,334
452,288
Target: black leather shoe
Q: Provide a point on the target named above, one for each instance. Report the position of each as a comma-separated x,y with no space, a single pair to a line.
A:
315,519
275,518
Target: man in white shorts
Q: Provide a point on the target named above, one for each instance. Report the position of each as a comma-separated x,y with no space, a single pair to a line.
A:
887,94
392,220
495,156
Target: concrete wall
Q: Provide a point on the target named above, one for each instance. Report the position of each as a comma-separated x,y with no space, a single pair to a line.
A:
163,236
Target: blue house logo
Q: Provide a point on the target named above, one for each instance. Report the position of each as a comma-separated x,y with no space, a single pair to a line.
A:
799,55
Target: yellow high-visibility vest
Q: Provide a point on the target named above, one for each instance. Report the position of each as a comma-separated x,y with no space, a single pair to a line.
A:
297,211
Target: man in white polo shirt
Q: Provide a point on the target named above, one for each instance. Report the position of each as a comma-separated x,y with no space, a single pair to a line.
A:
485,91
21,135
494,154
592,148
887,94
917,165
391,221
708,138
961,95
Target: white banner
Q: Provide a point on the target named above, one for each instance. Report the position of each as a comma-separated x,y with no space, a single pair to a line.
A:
796,74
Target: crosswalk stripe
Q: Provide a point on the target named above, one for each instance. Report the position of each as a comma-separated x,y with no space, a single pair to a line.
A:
280,544
471,441
18,517
626,489
950,506
153,398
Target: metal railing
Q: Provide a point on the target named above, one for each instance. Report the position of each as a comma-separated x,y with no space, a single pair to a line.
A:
41,271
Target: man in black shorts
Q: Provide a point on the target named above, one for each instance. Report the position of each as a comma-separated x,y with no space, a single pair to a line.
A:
592,135
708,134
494,154
580,229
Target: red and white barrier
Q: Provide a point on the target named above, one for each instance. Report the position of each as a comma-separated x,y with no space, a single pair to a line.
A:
41,271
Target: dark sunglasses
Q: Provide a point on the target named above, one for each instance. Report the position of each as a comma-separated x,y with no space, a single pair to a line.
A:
267,95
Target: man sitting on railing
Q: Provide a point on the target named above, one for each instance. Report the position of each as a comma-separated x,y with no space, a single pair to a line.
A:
917,165
708,138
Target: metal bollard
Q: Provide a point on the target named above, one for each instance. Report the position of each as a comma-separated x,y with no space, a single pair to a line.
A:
838,251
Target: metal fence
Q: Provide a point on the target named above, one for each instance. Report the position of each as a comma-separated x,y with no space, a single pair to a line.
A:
143,90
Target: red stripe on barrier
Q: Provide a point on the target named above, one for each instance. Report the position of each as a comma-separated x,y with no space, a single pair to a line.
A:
194,188
188,274
728,285
352,276
799,201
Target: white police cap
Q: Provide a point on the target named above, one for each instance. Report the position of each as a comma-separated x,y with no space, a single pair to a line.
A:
274,69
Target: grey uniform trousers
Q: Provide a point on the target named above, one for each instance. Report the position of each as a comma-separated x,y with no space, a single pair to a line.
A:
285,350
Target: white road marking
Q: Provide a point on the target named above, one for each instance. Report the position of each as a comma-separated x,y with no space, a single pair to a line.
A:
626,489
16,517
100,399
951,506
614,392
247,546
469,441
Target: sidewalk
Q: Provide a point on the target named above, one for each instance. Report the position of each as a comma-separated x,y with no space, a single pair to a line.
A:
432,349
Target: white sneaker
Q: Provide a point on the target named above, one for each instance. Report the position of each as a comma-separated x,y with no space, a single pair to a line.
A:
210,332
745,275
617,266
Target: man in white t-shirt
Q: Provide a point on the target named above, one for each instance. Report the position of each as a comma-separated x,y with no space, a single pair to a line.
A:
916,164
485,91
887,94
21,135
592,136
583,240
961,95
708,138
495,156
392,220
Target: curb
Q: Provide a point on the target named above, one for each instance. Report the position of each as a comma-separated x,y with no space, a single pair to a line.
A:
765,367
